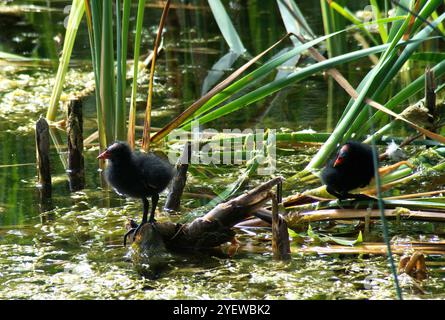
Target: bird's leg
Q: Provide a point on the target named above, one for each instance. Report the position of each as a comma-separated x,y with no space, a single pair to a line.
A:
136,227
346,195
144,217
146,208
154,204
127,234
336,194
360,196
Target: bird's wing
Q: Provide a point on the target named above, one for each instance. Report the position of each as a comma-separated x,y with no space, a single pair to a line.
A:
148,185
146,177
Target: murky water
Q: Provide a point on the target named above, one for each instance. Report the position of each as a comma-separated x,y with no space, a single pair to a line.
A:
74,251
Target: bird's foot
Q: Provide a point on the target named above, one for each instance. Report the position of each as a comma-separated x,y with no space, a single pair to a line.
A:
339,203
138,229
152,221
134,230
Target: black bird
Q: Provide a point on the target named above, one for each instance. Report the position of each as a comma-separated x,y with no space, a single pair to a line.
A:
351,168
137,175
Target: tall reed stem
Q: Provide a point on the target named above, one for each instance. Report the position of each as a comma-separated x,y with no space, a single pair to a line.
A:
147,121
137,47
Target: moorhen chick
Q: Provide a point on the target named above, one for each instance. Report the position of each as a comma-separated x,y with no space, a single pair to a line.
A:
137,175
351,168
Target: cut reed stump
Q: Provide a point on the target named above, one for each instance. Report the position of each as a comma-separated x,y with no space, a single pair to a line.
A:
209,231
42,157
280,235
430,96
173,201
414,266
76,172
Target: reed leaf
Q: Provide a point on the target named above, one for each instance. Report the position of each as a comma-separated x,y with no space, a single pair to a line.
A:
390,73
279,84
258,73
344,11
107,77
121,108
221,86
298,17
119,130
378,15
147,121
376,75
226,27
137,47
76,14
246,81
94,22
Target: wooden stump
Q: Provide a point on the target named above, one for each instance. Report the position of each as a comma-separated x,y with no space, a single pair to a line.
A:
173,201
42,157
280,235
76,172
430,94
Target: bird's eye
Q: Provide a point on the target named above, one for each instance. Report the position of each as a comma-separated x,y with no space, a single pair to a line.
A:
344,150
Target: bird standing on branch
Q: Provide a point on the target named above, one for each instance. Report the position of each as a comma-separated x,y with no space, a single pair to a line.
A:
137,175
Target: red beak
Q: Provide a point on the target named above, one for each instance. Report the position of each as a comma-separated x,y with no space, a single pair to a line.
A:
338,161
104,155
341,155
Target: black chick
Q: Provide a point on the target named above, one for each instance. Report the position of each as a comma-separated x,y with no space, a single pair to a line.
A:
351,168
137,175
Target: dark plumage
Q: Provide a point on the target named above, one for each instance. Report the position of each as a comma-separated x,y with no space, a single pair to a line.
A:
351,168
137,175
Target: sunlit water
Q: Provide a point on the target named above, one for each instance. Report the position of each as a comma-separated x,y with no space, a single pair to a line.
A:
74,250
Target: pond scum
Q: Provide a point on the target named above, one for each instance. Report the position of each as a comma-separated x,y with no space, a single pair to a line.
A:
250,217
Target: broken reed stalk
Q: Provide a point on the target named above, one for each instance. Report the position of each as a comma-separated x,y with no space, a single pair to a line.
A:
414,266
294,219
280,235
76,172
400,248
430,96
375,248
173,201
42,157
